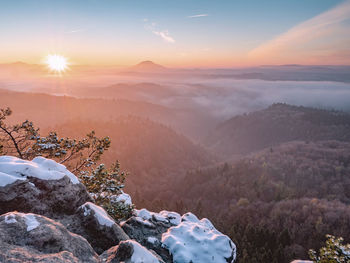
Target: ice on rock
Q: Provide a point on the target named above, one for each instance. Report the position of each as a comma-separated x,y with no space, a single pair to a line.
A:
13,169
198,241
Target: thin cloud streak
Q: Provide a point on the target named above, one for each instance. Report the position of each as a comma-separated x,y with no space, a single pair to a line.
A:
313,40
199,15
164,35
75,31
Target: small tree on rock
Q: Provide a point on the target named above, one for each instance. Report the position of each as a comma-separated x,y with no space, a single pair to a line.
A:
334,251
79,156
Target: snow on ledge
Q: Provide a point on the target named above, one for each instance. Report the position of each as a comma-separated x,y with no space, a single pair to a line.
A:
198,241
13,169
100,214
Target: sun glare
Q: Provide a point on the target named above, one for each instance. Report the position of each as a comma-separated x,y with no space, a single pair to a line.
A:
56,63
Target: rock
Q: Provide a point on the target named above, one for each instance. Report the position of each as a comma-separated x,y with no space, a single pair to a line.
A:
130,251
147,228
97,227
41,186
35,238
180,239
44,187
82,230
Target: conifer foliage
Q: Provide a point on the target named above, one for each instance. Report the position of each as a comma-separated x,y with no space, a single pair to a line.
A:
334,251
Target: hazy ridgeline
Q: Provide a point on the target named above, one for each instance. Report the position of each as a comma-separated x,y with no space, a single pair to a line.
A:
274,178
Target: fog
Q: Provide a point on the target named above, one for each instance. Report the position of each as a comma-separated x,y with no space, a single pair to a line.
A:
220,93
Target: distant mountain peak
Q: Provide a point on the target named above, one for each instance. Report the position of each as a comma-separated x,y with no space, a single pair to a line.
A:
148,65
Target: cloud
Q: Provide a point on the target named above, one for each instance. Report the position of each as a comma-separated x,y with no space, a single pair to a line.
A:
75,31
322,39
164,35
199,15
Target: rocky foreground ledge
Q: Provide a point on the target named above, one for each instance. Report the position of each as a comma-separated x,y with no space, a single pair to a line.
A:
48,216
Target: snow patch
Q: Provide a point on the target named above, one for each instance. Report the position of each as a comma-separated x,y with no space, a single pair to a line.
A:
152,240
10,219
123,198
13,169
141,254
173,217
29,219
6,179
100,214
198,241
163,216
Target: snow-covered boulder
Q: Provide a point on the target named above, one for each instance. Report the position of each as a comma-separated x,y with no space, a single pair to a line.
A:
45,187
132,252
39,167
97,227
197,241
41,186
34,238
181,239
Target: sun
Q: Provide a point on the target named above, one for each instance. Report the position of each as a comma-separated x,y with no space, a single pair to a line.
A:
56,63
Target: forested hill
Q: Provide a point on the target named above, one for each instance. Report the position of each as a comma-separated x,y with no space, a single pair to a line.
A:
277,203
277,124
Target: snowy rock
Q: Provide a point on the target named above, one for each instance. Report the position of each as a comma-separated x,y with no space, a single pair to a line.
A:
132,252
180,239
93,223
41,186
164,216
147,228
100,214
35,238
39,167
196,241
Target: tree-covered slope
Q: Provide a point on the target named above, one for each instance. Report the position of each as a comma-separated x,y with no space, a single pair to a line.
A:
277,124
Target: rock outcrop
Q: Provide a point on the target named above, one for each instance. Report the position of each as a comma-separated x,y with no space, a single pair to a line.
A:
41,186
48,216
130,251
180,238
35,238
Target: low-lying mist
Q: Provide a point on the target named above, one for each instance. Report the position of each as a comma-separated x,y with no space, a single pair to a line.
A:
219,94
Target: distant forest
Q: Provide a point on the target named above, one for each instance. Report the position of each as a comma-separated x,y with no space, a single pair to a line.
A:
276,180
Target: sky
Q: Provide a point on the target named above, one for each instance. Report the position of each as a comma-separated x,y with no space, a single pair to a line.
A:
181,33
